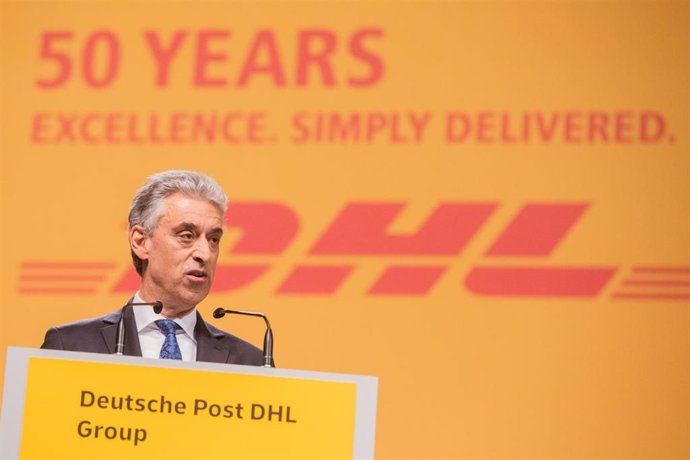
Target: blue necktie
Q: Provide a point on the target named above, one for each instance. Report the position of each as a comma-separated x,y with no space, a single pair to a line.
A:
170,349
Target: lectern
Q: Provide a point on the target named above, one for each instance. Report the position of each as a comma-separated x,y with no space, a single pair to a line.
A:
59,404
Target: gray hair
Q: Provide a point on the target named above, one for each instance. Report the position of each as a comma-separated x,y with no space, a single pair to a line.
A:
147,204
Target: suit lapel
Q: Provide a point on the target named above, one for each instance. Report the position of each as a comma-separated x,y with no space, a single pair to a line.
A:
109,330
208,347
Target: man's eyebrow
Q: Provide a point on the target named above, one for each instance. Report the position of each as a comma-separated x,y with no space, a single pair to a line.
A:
193,227
185,226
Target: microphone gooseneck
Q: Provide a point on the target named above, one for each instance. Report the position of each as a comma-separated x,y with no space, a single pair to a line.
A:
120,332
268,336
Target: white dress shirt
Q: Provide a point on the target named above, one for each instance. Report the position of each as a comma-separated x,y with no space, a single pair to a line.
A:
151,338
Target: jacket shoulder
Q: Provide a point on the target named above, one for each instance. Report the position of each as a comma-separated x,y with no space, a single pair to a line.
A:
82,335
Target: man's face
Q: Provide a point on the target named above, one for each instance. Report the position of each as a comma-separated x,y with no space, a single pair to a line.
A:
181,253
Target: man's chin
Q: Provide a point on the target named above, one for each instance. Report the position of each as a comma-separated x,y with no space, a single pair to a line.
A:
194,297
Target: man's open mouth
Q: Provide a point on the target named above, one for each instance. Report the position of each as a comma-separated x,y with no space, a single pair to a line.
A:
197,274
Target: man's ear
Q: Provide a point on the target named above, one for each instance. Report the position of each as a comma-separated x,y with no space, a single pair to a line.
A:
138,242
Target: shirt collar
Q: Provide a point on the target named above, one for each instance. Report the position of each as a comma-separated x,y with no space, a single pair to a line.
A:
145,316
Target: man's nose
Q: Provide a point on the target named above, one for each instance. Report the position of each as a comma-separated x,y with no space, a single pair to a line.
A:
202,250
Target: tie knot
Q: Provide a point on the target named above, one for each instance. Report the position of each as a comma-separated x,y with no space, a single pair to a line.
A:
167,326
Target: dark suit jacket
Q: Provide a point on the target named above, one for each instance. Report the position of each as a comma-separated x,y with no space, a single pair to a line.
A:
97,335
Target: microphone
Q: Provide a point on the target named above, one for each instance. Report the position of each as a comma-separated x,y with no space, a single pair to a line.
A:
120,332
268,337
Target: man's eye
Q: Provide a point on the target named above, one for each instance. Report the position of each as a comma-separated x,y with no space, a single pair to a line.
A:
215,240
186,236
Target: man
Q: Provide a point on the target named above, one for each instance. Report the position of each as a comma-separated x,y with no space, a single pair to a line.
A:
175,227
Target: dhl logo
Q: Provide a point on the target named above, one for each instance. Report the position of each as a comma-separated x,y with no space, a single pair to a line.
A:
361,229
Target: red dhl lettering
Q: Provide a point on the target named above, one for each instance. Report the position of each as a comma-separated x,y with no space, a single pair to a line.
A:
362,229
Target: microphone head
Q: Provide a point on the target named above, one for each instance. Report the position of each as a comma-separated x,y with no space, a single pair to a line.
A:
218,313
157,306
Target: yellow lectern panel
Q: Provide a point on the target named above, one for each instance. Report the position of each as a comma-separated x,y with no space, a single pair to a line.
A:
83,409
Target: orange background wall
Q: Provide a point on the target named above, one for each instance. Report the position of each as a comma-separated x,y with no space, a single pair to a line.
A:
494,223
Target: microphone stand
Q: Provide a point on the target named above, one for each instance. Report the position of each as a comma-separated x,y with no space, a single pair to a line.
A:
268,336
120,332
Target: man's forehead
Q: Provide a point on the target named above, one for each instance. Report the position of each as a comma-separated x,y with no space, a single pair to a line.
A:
191,204
178,208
